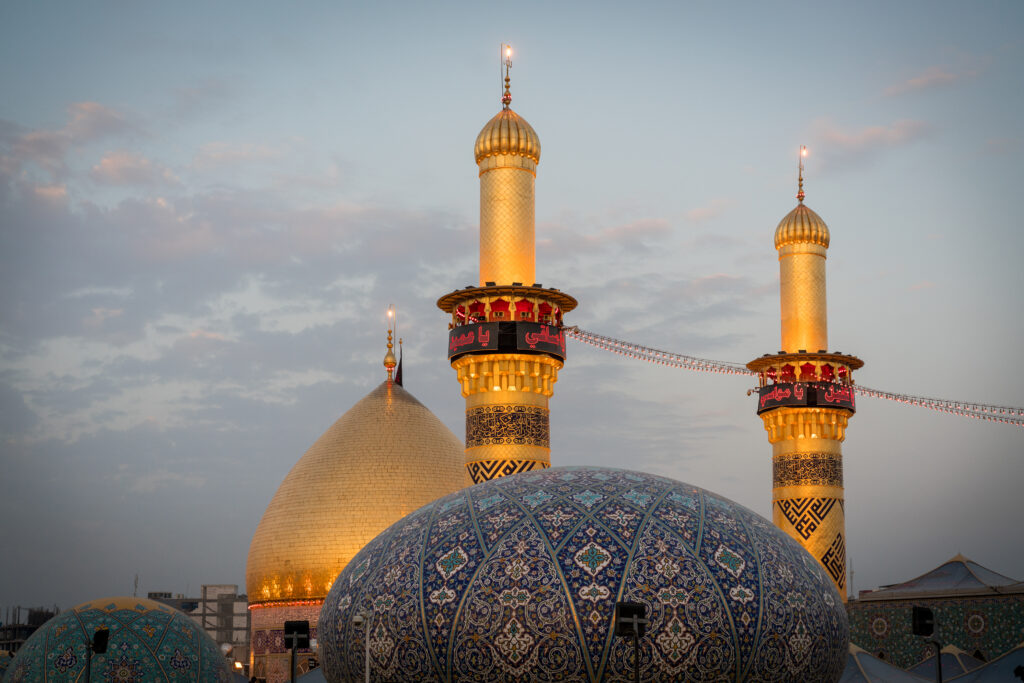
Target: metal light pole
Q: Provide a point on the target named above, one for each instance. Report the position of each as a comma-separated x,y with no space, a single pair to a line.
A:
98,644
631,621
360,621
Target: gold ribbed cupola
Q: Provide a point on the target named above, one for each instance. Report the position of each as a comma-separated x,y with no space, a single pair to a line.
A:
507,134
505,339
806,397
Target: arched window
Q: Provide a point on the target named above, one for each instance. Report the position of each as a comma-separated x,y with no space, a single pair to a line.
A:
545,313
788,373
828,373
524,310
499,309
476,312
807,373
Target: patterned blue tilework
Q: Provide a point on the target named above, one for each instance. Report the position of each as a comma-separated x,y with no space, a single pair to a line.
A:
990,626
149,642
516,579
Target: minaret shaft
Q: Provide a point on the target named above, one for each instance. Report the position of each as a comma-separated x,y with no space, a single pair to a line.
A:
802,297
507,244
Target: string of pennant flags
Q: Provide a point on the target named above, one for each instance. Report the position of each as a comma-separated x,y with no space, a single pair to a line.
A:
978,411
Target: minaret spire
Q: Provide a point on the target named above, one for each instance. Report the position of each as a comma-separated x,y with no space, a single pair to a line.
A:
800,176
506,56
389,358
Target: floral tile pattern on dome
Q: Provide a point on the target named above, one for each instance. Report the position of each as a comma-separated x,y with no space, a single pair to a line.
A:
148,642
521,586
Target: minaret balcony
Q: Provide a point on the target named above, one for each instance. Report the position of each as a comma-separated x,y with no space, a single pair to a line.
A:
506,319
823,379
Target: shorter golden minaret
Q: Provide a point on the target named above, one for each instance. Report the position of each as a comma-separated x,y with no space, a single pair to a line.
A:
806,397
505,339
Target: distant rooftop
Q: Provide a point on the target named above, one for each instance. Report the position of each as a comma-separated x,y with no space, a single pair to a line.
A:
958,576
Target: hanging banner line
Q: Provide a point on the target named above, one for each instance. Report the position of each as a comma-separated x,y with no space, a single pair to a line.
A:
978,411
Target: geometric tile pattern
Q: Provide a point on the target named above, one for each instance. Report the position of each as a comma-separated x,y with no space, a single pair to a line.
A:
990,626
834,561
818,523
148,641
807,469
806,514
507,424
515,579
485,470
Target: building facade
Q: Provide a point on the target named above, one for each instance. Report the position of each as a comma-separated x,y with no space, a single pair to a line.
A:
976,609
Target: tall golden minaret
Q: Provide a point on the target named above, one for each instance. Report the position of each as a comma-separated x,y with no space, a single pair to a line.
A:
806,397
505,339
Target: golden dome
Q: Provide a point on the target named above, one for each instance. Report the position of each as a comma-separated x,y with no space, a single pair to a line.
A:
384,458
507,133
801,225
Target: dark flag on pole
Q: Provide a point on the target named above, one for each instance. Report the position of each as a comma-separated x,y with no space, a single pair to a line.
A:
398,371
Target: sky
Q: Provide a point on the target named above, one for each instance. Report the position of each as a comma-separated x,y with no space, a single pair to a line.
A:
206,209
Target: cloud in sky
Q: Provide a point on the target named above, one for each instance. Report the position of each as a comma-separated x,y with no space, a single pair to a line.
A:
852,145
570,237
215,155
932,77
712,209
46,149
125,168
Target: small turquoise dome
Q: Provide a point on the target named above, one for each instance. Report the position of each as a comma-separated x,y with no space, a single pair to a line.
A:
516,579
149,642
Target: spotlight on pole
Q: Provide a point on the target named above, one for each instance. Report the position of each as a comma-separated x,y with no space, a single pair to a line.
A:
631,622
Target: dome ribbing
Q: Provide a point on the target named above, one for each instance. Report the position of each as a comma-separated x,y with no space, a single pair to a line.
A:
385,457
507,133
801,225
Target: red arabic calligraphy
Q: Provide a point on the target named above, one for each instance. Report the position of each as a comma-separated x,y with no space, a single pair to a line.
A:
455,341
776,394
470,338
839,394
545,336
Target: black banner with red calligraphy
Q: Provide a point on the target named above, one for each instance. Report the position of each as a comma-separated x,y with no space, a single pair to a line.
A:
506,337
538,337
466,338
814,394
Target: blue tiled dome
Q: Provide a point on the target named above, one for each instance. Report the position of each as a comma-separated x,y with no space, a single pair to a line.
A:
516,579
149,642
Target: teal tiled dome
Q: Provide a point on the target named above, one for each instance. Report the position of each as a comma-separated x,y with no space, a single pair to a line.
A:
149,642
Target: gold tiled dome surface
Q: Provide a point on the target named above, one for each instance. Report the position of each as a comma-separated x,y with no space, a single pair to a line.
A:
507,133
801,225
381,460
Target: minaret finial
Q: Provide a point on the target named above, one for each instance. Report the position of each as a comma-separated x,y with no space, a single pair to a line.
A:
389,358
506,56
800,175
